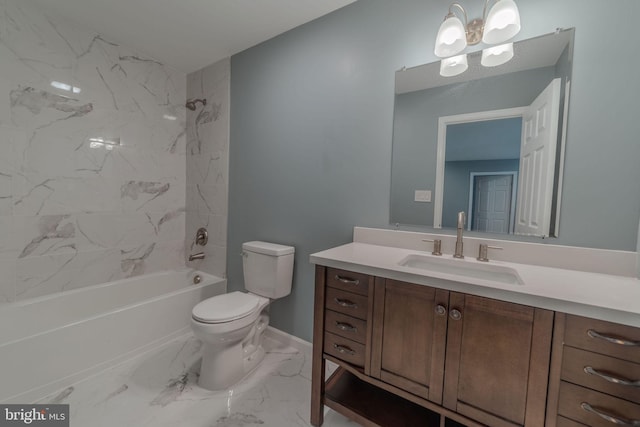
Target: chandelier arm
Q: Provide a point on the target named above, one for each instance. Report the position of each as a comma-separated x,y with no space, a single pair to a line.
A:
484,11
464,12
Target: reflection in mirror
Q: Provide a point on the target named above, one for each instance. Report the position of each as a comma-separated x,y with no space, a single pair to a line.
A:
489,142
482,161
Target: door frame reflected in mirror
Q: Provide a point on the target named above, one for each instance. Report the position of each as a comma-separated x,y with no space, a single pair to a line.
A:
443,122
537,161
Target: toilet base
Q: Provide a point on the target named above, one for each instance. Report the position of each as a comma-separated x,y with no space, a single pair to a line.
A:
224,366
251,362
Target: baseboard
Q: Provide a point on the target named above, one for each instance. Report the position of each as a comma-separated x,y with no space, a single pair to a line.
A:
288,339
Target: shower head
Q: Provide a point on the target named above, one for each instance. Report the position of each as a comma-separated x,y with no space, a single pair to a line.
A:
191,104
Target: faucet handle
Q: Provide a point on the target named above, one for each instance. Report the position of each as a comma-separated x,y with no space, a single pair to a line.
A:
202,236
437,246
483,250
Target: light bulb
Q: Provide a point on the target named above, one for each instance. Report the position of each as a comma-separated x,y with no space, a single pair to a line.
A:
503,22
453,66
497,55
451,38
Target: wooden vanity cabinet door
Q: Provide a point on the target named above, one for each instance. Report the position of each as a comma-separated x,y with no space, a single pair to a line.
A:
497,361
408,341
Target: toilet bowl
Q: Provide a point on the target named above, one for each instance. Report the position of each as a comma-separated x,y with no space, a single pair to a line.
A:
231,326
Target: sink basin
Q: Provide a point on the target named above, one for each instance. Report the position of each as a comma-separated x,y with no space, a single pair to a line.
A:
460,267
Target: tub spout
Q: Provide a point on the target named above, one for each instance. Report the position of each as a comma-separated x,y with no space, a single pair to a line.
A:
199,255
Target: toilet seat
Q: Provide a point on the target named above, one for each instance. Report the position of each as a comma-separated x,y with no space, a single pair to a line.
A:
226,307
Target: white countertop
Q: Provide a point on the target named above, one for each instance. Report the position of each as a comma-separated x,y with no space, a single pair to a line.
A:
600,296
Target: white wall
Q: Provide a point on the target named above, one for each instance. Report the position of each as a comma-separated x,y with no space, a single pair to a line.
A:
73,214
208,165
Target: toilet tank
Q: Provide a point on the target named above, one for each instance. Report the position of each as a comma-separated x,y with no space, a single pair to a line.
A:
267,268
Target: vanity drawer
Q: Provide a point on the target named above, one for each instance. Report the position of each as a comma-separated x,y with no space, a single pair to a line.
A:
344,349
348,281
345,326
565,422
572,405
606,374
347,302
601,336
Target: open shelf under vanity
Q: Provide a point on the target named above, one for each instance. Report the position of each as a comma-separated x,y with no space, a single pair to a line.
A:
358,400
351,395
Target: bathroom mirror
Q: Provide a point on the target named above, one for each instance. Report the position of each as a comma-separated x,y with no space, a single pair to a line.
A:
489,142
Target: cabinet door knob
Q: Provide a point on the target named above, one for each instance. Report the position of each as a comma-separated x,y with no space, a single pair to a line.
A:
441,310
455,314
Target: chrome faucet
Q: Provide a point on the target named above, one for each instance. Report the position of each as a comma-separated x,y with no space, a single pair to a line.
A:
461,220
199,255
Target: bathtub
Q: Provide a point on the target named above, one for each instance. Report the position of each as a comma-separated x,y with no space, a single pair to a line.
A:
50,342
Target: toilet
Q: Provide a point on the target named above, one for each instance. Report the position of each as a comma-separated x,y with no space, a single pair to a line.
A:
231,326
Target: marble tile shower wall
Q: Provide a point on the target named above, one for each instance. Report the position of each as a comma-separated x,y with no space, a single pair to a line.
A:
92,158
208,164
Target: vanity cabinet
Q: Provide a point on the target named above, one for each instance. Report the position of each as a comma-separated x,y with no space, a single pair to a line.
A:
346,314
598,380
448,359
409,336
497,361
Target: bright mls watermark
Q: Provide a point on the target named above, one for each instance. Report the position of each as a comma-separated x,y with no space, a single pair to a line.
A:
34,415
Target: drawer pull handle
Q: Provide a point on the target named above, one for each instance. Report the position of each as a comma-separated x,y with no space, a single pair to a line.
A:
621,381
441,310
348,281
344,349
345,303
343,326
612,340
614,420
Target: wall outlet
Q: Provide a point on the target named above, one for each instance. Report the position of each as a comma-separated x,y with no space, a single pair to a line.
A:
422,196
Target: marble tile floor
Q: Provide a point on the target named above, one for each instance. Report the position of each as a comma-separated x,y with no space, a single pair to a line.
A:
159,388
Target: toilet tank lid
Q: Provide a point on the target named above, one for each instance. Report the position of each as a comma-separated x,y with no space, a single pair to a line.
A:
267,248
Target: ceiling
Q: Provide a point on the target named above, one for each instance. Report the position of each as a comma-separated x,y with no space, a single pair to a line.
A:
189,34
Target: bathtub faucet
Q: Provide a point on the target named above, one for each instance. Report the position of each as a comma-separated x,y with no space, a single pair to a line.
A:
199,255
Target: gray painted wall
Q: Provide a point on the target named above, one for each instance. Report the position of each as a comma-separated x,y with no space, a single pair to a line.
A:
311,125
485,140
638,252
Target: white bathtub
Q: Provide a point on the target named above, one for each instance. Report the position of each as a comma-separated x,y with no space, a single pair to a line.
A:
50,342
